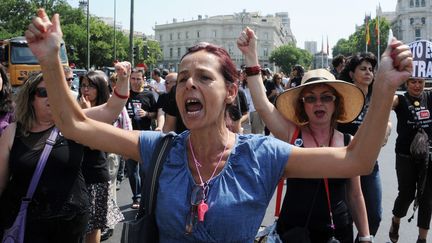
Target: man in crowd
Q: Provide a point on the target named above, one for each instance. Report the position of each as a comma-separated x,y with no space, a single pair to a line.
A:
141,107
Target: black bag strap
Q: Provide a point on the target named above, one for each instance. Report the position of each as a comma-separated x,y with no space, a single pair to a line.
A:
150,185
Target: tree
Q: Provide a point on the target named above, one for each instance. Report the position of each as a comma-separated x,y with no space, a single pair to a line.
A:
357,41
287,56
15,15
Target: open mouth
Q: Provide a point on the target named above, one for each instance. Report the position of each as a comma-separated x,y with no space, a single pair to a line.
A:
319,113
193,106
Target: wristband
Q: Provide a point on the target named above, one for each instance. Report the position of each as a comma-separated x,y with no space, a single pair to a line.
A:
368,238
252,71
119,95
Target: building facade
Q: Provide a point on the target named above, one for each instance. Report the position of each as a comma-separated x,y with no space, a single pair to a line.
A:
223,30
413,20
311,47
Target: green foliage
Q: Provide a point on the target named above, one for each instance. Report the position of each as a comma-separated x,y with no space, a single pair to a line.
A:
357,41
287,56
15,15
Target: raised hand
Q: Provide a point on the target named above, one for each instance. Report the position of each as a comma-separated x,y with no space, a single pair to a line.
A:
44,36
247,42
396,65
123,70
84,102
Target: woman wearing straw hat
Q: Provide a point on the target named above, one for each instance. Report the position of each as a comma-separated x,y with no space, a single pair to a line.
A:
313,109
227,179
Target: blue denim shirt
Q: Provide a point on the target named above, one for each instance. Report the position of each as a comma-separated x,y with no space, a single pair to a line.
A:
238,196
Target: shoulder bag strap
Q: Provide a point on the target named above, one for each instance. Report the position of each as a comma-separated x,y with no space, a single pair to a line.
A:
150,186
41,164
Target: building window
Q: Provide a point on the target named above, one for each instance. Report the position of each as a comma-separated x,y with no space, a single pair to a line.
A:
423,20
265,51
171,36
423,3
160,37
187,35
198,34
411,3
179,52
417,3
411,21
178,35
171,53
418,34
266,36
214,33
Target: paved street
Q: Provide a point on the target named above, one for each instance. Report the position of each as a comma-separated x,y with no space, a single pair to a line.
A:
386,161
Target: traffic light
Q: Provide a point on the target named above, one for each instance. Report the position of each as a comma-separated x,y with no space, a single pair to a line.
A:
136,52
146,52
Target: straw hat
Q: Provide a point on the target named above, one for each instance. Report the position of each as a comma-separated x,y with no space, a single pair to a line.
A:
353,97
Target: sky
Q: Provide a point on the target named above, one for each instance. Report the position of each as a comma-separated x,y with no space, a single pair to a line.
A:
311,20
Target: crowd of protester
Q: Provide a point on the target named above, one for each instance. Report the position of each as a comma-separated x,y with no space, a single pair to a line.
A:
208,103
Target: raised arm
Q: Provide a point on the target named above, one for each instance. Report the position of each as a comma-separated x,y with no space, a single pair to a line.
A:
109,111
275,122
44,38
361,154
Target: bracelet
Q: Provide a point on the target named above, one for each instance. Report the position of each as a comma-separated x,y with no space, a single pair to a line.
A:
120,96
368,238
252,71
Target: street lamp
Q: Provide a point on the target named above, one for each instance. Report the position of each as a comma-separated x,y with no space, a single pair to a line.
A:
131,44
115,40
242,17
88,35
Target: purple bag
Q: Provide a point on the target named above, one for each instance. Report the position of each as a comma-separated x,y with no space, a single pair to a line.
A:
15,234
5,121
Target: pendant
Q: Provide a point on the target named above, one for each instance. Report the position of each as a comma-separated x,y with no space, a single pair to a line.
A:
416,103
202,209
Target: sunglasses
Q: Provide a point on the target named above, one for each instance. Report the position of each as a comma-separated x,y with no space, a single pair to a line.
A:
312,99
198,195
41,92
69,79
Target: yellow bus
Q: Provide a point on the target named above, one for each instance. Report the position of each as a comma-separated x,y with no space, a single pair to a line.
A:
19,61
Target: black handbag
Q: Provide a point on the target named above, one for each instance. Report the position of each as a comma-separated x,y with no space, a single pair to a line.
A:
144,227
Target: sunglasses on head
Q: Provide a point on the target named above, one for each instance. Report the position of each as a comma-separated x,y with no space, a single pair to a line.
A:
312,99
41,92
199,194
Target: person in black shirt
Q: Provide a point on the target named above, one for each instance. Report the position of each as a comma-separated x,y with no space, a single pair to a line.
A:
237,113
163,101
296,75
413,110
141,107
359,70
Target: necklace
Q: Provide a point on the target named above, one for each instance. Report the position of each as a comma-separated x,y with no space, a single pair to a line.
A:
203,206
332,225
316,141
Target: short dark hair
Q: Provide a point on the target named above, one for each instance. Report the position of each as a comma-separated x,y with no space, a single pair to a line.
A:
355,60
135,70
157,72
337,60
